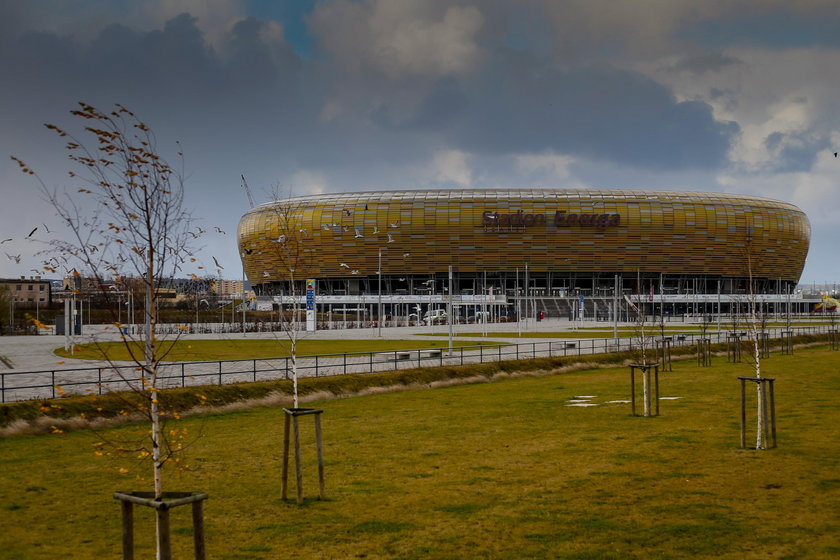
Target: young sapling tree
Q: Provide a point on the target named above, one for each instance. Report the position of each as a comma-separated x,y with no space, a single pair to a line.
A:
125,224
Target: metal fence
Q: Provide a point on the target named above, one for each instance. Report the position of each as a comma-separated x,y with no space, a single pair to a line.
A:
47,384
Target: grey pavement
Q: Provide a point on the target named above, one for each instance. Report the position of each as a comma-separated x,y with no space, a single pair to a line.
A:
34,353
37,370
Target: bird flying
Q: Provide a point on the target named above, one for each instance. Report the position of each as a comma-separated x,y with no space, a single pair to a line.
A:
31,233
217,264
390,238
358,233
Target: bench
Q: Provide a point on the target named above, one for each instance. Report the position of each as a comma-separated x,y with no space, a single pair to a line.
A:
398,356
403,355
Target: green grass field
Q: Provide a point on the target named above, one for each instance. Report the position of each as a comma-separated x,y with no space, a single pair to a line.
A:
501,471
651,329
587,332
235,349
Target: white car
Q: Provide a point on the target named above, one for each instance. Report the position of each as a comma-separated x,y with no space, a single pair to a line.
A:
434,317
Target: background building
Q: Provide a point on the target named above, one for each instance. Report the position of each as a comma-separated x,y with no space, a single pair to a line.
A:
546,246
29,292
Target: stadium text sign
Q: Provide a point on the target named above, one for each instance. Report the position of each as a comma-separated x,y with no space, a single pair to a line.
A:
561,218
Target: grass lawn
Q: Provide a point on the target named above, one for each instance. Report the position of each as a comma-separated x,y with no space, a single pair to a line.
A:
651,329
199,350
501,471
623,332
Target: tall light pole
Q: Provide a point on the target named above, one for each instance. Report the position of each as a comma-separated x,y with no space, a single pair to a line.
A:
450,310
379,295
484,307
615,310
527,297
518,307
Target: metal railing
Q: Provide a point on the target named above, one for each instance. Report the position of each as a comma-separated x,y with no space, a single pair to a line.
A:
50,384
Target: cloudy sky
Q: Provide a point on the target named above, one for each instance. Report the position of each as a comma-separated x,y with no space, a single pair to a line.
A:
311,96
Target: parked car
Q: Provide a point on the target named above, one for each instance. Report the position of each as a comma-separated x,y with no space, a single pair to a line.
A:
508,318
479,317
434,317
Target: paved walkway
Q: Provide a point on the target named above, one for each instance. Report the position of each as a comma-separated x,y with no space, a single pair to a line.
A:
30,354
34,353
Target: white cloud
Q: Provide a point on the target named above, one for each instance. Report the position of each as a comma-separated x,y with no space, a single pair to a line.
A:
451,167
400,39
814,191
768,91
306,181
550,165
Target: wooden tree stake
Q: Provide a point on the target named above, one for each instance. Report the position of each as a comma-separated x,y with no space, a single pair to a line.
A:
292,415
651,395
768,399
162,507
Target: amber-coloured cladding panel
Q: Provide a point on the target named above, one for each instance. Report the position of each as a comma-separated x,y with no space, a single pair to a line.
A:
422,232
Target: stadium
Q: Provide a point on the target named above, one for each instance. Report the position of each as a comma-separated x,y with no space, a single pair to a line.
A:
557,252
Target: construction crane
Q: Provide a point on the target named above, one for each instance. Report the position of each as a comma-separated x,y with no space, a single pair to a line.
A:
247,191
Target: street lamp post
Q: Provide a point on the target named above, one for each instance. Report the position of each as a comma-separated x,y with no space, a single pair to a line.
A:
379,295
518,307
450,310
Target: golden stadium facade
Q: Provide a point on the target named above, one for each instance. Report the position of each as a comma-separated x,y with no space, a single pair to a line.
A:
570,241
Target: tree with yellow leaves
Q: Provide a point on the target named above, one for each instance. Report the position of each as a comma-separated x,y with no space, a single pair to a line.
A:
126,223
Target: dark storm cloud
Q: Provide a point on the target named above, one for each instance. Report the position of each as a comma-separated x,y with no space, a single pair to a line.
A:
174,65
776,29
255,87
794,153
522,105
708,62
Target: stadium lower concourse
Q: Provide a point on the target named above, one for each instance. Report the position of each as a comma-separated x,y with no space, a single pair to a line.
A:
555,252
